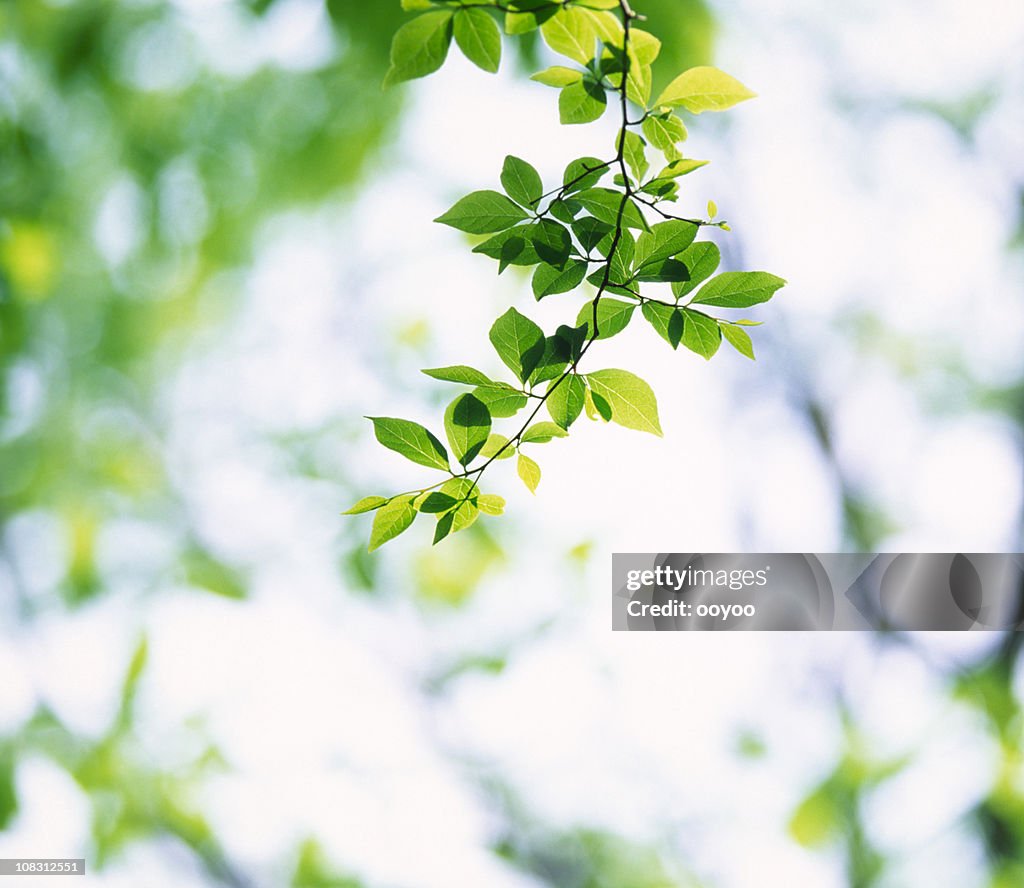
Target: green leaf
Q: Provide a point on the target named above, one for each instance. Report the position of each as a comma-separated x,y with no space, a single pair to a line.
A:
554,361
461,374
483,212
411,440
701,334
521,182
704,89
416,5
461,517
542,241
635,156
501,402
524,22
668,321
565,402
571,33
664,131
604,204
434,502
529,471
663,240
681,167
591,232
645,45
490,504
548,280
631,400
613,316
558,75
738,338
597,407
479,38
701,259
467,422
582,102
366,504
497,447
584,172
712,209
542,432
420,46
519,342
739,289
663,271
391,520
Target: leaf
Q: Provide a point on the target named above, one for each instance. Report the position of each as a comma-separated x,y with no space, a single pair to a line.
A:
738,338
366,504
497,447
479,38
590,232
701,334
631,400
739,289
461,374
518,341
529,471
501,402
521,182
542,432
584,172
490,504
704,89
605,203
664,239
553,362
411,440
582,102
666,320
548,280
701,259
558,75
542,241
571,33
482,212
420,46
565,402
681,167
664,131
633,152
597,407
665,271
467,422
524,22
416,5
461,517
391,520
712,209
645,45
612,317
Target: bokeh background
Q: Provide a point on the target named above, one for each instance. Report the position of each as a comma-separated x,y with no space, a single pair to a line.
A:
216,256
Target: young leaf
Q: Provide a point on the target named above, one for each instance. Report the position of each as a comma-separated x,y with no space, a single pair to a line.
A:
681,167
521,182
738,338
461,374
663,240
701,334
701,259
712,209
411,440
612,317
664,131
420,46
467,421
497,447
529,471
558,76
482,212
490,504
366,504
668,321
571,33
704,89
565,403
645,45
391,520
519,342
582,102
739,289
479,38
548,280
542,432
630,399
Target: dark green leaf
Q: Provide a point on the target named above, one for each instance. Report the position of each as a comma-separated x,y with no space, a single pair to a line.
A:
521,182
668,321
574,339
666,271
420,46
605,204
701,334
551,242
461,517
701,259
467,422
479,38
565,402
554,361
739,289
548,280
663,240
411,440
518,341
612,317
590,232
483,212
